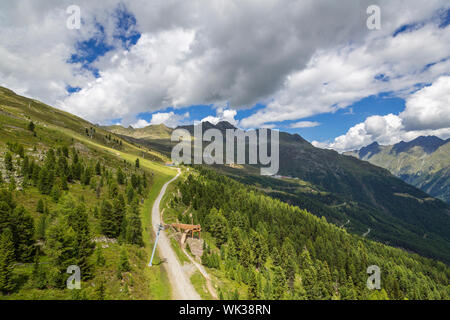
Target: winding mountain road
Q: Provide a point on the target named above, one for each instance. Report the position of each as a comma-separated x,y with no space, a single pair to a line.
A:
181,285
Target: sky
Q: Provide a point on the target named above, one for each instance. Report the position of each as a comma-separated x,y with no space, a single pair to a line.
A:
311,67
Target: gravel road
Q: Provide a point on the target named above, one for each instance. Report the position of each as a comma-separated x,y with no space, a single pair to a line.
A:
182,288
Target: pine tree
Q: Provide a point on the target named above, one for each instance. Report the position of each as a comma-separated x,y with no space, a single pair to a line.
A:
12,184
84,247
124,264
61,249
100,259
134,227
31,126
38,275
8,162
55,193
98,170
23,233
107,223
280,283
120,176
6,261
252,286
41,227
137,163
217,225
40,206
130,193
100,291
64,185
144,181
134,181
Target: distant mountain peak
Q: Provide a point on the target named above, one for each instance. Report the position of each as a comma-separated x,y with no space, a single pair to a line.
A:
428,143
370,150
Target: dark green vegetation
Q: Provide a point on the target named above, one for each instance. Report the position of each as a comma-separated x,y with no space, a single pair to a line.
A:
364,198
71,194
423,162
261,248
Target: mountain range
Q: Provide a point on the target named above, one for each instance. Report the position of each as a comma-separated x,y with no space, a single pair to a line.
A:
423,162
357,195
73,180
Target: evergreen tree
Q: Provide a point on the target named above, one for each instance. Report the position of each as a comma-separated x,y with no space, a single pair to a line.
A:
38,275
119,214
6,261
107,222
217,226
120,176
252,286
84,247
100,259
41,227
137,163
134,181
31,126
124,264
61,249
8,162
130,194
55,193
12,184
23,234
100,291
98,170
134,227
40,206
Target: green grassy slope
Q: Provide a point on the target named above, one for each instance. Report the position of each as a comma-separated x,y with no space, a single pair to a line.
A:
55,129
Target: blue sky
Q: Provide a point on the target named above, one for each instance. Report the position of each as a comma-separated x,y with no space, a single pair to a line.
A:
329,77
329,125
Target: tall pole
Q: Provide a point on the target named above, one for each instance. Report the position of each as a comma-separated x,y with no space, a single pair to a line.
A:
160,227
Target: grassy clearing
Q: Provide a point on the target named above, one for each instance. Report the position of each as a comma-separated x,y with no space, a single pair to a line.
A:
199,283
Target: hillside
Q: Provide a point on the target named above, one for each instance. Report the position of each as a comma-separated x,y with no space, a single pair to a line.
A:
260,248
423,162
158,131
73,194
348,192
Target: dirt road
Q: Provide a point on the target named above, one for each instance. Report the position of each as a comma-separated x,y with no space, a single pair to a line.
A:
182,287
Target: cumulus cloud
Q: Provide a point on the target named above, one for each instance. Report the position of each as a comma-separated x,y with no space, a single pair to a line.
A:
335,79
305,124
222,115
426,113
300,58
170,119
141,123
429,108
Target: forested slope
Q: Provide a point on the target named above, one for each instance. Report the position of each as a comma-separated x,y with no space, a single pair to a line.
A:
264,248
73,194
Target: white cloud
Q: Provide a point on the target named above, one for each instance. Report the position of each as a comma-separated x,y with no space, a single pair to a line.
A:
170,119
337,78
302,59
427,112
429,108
141,123
305,124
222,115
